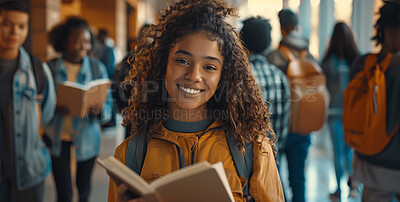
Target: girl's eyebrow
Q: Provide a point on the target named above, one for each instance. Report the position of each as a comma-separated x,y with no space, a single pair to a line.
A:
191,55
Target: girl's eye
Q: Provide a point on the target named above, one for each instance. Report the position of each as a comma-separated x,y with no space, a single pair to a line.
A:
182,61
208,67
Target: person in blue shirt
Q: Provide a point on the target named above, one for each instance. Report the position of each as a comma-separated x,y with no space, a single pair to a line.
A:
73,40
25,161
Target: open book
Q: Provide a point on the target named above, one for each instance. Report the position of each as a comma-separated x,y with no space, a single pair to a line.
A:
199,182
79,98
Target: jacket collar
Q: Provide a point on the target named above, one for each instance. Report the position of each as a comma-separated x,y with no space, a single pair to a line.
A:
172,136
187,127
24,60
85,72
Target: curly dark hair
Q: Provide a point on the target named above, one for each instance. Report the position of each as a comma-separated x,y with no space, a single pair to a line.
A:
237,94
389,17
58,35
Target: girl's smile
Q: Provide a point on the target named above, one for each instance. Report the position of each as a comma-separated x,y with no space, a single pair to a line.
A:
190,90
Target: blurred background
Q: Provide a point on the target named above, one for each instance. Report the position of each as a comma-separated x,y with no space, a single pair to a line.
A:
124,18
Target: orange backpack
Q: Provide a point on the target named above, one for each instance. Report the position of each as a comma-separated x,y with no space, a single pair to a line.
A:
364,105
309,94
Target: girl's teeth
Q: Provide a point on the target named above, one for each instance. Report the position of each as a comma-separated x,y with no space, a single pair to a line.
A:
188,90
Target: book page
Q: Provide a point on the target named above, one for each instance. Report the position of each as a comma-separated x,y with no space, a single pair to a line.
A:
136,184
70,96
199,182
182,173
86,86
73,85
97,82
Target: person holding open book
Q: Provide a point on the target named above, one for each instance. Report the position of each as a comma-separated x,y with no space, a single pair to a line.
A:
193,91
73,39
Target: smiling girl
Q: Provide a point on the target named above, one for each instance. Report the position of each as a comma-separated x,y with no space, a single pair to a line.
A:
73,39
194,70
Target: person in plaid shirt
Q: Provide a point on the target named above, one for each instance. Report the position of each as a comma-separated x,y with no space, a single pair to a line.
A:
256,35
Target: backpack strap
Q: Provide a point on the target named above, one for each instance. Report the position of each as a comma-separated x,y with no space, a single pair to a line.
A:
40,79
37,68
243,162
52,65
136,151
287,53
371,61
384,64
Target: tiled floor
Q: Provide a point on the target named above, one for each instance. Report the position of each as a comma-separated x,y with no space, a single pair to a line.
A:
320,177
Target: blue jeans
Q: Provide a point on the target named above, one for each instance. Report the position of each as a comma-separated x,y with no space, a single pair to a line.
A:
62,175
296,150
341,151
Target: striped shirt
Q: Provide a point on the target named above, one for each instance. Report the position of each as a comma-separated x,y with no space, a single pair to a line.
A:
276,93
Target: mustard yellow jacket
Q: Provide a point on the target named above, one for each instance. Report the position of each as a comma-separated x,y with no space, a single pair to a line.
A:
212,146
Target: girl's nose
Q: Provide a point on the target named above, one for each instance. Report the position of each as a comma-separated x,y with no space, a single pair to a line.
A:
194,74
14,29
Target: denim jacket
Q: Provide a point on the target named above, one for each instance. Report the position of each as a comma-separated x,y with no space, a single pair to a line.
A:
86,137
32,160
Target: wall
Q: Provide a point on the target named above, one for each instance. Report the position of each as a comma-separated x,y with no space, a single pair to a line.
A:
44,15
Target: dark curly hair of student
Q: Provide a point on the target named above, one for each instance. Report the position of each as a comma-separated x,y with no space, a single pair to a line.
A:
389,17
58,35
237,95
342,44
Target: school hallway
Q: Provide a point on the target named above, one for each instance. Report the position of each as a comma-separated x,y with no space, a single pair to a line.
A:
320,177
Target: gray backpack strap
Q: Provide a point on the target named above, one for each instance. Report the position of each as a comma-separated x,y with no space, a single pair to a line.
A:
53,65
243,162
38,71
136,151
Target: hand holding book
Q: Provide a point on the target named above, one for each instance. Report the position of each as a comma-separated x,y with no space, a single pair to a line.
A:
199,182
94,111
124,194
